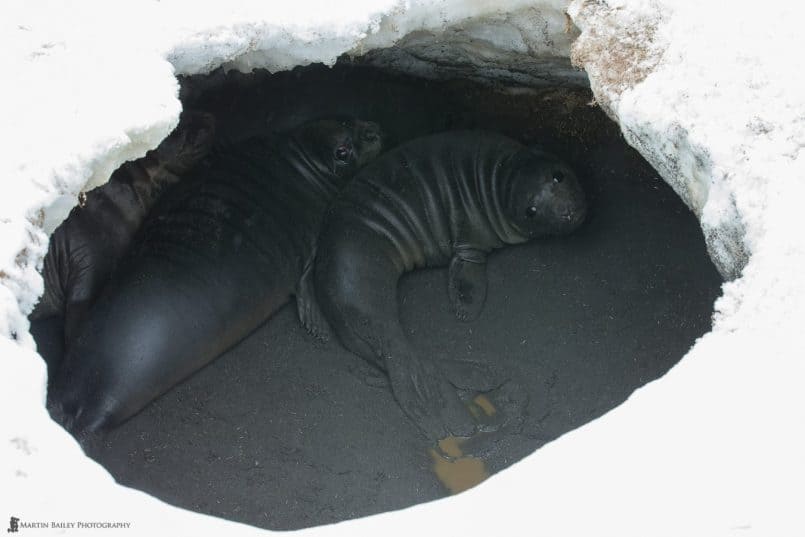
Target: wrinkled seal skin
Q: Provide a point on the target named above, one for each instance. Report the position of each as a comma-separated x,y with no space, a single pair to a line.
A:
222,251
85,248
446,199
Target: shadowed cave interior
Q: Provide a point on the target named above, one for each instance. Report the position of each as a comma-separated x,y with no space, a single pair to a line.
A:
280,433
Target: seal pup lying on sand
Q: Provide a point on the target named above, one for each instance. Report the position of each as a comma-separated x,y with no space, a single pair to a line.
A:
221,252
85,248
446,199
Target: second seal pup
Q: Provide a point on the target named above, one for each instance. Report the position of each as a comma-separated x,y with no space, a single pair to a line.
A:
446,199
220,253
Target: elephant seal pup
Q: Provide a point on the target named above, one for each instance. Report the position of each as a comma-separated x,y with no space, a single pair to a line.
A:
446,199
221,252
84,249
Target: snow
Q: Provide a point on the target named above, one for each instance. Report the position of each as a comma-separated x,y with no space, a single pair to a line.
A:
713,98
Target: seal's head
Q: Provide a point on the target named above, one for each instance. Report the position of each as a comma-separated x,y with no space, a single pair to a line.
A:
544,195
341,146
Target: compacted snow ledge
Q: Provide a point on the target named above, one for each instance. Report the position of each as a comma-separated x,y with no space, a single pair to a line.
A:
712,98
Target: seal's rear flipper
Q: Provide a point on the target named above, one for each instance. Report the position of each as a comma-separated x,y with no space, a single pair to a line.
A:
307,307
500,414
497,403
370,374
427,397
472,376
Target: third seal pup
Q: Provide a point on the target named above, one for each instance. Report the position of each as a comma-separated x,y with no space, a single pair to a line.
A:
85,248
220,253
445,199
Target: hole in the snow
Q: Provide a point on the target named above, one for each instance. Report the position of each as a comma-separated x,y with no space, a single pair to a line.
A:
282,432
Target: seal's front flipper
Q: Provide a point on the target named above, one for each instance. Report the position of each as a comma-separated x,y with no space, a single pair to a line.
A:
466,285
310,314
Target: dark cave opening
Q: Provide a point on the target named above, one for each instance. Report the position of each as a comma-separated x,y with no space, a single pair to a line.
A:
279,432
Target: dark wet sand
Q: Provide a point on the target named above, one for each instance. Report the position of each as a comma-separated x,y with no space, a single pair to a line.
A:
281,434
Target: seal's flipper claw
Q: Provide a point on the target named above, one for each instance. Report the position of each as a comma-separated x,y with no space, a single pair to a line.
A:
310,314
466,285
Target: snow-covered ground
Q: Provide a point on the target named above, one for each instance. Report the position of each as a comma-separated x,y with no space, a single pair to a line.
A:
713,96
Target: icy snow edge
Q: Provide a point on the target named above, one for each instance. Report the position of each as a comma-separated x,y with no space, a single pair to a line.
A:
721,119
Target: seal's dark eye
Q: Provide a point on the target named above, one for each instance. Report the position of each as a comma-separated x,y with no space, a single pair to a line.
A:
558,176
342,153
531,212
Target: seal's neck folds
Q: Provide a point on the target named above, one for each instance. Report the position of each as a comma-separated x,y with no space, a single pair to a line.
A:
311,167
494,195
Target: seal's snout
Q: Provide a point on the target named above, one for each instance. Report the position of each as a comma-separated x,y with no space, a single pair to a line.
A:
370,132
370,135
575,216
570,208
368,138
